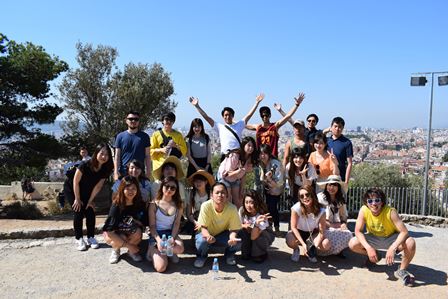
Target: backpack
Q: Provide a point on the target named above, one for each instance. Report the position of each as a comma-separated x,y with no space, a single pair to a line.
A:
174,151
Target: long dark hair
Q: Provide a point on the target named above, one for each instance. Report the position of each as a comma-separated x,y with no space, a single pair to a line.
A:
139,165
296,152
266,149
260,205
108,166
254,156
315,207
176,197
340,200
194,190
120,198
197,122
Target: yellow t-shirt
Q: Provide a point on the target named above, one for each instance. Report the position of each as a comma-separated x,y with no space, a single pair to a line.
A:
381,225
156,142
216,222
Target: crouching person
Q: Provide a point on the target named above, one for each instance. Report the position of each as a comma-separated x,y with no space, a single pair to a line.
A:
165,213
219,223
127,218
385,232
256,234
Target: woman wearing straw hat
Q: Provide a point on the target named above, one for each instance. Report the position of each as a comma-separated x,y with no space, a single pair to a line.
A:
335,214
201,182
170,167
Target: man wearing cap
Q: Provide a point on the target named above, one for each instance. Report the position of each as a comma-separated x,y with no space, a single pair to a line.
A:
296,141
267,132
131,144
229,132
167,141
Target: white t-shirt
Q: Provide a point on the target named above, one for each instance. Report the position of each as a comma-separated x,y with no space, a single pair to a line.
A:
228,140
309,222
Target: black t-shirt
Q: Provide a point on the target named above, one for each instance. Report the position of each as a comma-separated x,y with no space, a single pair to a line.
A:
136,211
89,179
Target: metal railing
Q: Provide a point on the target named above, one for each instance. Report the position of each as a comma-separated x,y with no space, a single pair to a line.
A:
405,200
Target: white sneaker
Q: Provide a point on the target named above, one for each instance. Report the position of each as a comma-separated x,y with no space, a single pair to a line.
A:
93,243
114,256
295,257
81,245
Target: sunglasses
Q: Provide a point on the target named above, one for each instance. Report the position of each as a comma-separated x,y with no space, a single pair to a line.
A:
265,115
305,195
133,118
317,167
373,200
171,187
311,120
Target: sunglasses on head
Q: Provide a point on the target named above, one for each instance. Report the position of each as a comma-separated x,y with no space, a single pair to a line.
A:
133,118
373,200
171,187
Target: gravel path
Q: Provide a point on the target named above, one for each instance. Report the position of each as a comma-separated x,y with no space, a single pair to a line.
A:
52,268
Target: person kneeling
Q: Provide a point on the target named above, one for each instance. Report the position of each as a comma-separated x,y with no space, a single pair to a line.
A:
385,231
219,223
165,213
127,217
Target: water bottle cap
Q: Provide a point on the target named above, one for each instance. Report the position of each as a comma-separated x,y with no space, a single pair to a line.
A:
215,260
163,236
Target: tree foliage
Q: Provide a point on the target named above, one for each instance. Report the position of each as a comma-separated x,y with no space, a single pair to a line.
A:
382,175
97,96
25,73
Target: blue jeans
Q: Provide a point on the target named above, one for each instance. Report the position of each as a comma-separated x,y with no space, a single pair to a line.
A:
202,246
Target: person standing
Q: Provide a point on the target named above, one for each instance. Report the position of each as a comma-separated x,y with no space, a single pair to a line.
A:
167,142
199,152
131,144
81,190
341,147
267,132
229,133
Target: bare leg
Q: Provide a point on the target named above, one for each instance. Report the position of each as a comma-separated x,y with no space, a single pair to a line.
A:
408,248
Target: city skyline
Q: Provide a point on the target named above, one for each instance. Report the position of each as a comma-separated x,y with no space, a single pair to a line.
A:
351,59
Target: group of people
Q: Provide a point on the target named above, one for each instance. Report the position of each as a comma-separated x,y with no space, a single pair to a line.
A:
149,193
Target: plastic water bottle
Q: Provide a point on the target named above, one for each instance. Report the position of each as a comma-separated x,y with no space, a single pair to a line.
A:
215,269
164,245
169,246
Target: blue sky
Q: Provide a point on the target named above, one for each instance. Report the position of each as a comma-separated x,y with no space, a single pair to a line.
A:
351,58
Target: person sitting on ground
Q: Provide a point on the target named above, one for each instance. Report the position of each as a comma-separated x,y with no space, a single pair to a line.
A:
166,142
335,215
299,172
165,213
127,218
267,132
200,182
307,226
256,233
272,178
199,151
229,133
135,169
219,223
385,232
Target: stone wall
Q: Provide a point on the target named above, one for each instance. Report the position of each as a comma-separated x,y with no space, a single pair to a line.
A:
6,191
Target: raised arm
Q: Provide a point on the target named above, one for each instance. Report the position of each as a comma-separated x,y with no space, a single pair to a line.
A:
251,112
195,102
278,107
298,100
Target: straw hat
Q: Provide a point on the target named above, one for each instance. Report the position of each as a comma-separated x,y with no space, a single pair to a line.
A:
334,179
210,179
157,174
